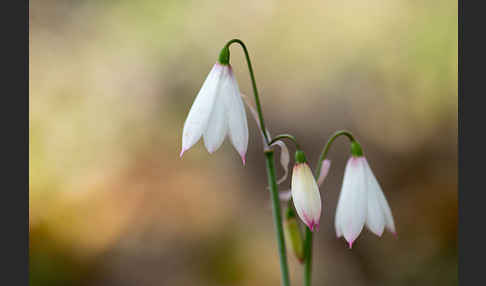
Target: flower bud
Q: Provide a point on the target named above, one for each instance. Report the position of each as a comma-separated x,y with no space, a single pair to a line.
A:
305,193
293,234
325,165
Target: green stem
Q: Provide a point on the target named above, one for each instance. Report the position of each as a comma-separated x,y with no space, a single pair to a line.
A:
255,91
308,257
277,216
328,146
269,155
283,136
308,233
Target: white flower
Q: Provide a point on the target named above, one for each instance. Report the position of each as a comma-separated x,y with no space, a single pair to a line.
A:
306,196
216,112
361,202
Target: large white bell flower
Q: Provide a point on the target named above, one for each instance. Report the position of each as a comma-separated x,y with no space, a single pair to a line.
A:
361,202
217,112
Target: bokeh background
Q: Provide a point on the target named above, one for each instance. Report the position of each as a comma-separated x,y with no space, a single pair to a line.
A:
111,82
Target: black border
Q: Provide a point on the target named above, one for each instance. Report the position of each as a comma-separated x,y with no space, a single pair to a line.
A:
14,210
471,125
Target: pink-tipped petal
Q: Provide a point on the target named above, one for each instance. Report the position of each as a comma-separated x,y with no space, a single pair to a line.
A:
182,153
305,195
380,197
311,223
198,118
350,243
236,115
352,203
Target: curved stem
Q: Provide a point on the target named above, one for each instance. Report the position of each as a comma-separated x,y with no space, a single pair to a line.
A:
283,136
308,233
328,146
272,181
253,82
277,216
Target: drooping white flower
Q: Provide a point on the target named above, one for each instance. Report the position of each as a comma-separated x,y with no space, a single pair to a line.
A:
361,202
305,195
217,111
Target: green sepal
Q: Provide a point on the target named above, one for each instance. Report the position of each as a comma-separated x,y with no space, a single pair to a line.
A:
224,56
300,156
290,213
356,150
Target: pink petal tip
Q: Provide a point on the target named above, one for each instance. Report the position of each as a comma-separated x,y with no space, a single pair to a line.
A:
243,158
313,226
350,244
182,153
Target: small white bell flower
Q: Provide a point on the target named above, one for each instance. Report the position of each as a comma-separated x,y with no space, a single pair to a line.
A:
217,111
305,193
361,201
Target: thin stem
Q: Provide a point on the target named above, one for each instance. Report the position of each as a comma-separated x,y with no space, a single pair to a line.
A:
255,91
283,136
308,257
308,233
272,181
277,216
328,146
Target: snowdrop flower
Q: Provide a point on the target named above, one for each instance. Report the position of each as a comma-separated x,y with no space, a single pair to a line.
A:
217,111
361,201
305,193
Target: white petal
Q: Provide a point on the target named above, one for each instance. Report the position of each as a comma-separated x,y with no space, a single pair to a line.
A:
352,205
375,220
380,199
306,196
390,224
337,218
198,117
217,126
237,123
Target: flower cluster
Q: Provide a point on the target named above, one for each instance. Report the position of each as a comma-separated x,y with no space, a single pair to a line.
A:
218,111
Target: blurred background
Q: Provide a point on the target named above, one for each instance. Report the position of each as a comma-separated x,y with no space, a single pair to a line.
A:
111,83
